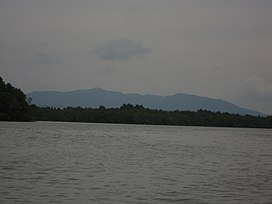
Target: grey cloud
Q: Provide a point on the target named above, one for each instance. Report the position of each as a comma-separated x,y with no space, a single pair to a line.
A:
43,58
189,39
106,70
42,43
217,68
256,89
121,49
255,93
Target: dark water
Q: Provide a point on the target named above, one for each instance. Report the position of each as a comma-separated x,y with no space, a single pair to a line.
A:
103,163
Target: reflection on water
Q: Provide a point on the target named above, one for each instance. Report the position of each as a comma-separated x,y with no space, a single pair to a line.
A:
48,162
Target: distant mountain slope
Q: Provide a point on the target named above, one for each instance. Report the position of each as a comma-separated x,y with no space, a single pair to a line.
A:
96,97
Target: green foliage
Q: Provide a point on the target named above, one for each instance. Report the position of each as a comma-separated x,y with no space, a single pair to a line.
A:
129,114
13,104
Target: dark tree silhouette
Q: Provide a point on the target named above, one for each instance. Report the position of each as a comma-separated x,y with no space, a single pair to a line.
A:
13,104
129,114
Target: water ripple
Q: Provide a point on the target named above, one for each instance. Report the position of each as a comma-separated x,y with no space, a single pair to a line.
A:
106,163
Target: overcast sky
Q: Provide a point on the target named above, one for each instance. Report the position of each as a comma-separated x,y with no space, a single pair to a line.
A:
214,48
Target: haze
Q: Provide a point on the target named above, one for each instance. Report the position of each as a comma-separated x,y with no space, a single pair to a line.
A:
214,48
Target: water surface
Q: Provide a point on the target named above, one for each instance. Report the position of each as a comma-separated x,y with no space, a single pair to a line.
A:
48,162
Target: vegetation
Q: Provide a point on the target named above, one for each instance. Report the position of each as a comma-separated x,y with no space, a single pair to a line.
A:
13,103
14,106
129,114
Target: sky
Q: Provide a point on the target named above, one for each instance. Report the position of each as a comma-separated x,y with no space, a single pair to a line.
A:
215,48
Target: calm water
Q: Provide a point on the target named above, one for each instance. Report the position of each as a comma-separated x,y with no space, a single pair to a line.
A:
48,162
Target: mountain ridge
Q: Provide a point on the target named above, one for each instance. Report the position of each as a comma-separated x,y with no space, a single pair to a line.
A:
97,97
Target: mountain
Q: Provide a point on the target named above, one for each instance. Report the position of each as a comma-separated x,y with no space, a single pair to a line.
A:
97,97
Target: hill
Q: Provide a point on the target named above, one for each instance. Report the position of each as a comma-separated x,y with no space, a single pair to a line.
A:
13,103
97,97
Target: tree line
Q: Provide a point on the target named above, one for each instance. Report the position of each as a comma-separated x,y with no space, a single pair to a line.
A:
137,114
15,106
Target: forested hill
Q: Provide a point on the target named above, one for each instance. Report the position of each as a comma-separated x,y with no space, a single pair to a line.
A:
93,98
13,104
14,107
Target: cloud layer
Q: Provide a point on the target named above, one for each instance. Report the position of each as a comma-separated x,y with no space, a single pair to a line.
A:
121,49
215,48
45,59
256,89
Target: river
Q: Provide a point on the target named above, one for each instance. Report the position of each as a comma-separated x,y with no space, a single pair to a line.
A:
54,162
